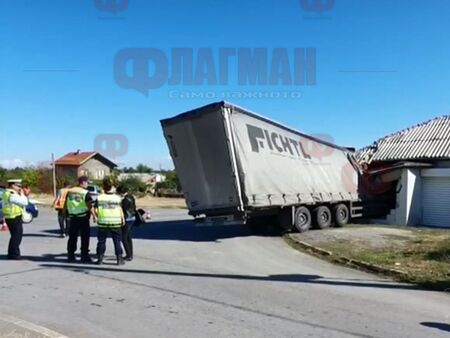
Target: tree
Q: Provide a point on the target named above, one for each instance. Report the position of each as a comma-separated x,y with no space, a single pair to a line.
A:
172,180
142,168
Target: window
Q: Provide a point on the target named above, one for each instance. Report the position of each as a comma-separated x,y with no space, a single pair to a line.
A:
100,174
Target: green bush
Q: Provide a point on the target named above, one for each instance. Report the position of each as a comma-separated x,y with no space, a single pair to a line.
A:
134,185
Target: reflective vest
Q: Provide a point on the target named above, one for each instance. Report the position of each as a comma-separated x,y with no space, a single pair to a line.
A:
61,199
76,202
10,210
109,211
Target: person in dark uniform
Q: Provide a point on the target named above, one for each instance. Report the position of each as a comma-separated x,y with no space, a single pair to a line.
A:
13,203
79,207
129,211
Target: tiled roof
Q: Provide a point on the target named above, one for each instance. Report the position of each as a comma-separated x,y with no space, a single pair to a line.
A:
79,157
75,158
428,140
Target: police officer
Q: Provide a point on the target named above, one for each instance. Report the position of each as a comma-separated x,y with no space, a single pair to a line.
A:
78,208
129,212
13,203
59,204
110,219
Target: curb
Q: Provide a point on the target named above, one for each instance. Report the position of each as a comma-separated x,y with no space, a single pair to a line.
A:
342,259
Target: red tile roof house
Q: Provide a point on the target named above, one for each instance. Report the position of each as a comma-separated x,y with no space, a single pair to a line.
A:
88,163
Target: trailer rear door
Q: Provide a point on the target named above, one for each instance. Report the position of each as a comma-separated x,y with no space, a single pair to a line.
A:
200,147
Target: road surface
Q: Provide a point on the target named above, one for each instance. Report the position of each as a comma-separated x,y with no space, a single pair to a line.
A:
189,281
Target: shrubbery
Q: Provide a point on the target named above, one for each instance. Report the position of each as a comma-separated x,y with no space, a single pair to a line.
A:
39,179
134,185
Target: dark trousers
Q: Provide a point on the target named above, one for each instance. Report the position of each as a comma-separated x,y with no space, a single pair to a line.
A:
78,226
63,223
16,231
127,238
116,235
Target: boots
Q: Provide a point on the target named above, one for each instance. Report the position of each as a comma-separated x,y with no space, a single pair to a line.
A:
120,260
86,260
99,260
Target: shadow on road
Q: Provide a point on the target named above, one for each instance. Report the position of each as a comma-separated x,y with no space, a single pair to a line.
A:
185,230
290,278
440,326
51,235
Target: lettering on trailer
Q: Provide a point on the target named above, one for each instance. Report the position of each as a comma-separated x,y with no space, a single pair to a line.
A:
264,139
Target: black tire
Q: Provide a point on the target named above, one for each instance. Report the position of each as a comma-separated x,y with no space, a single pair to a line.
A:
322,217
302,219
341,215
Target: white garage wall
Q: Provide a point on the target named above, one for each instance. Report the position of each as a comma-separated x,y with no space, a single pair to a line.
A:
409,209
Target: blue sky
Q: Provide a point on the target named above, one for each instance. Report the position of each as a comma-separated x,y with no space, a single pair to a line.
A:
381,66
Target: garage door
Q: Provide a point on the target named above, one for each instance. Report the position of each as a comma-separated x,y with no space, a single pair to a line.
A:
436,201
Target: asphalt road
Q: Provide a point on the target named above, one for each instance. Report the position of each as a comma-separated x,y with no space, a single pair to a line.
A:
189,281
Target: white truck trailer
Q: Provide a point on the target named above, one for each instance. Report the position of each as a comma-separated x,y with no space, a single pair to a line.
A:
237,166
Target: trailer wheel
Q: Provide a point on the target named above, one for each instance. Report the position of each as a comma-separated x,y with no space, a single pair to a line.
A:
341,215
322,217
302,219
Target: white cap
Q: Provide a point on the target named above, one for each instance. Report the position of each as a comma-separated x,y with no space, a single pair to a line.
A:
15,181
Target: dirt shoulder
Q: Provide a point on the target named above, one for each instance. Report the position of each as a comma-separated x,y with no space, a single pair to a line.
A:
161,202
146,202
414,255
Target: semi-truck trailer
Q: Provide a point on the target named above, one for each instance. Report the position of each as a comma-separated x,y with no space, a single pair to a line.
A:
237,166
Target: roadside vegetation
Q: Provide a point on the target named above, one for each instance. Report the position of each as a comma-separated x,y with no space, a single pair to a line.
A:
166,194
415,255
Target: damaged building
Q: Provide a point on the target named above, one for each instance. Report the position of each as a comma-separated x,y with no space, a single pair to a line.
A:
407,175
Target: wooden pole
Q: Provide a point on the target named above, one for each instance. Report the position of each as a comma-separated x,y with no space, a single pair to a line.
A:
54,174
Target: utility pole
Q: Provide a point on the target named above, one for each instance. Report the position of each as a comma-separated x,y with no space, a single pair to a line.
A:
54,174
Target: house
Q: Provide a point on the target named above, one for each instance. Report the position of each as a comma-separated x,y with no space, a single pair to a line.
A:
410,172
88,163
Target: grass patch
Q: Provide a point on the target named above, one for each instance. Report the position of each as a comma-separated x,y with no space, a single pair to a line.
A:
423,259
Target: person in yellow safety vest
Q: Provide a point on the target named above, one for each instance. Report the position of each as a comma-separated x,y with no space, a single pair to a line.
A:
78,207
110,219
58,204
13,203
